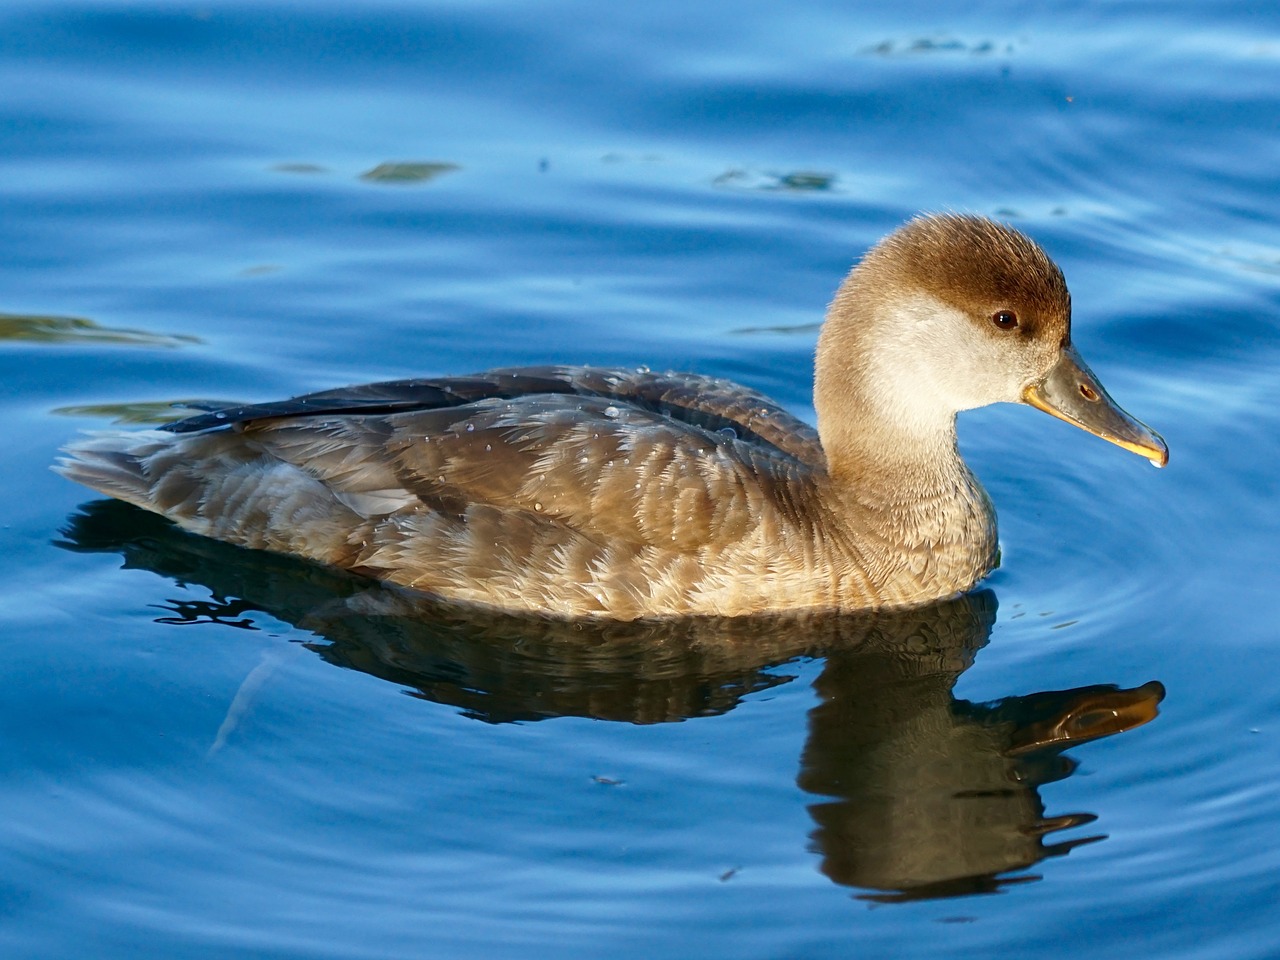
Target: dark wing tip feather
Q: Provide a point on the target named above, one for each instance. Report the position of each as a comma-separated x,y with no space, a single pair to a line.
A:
706,402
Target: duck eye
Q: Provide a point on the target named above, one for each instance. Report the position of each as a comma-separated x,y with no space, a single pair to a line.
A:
1005,319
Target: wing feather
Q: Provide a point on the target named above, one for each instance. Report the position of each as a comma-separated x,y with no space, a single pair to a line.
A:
712,403
609,471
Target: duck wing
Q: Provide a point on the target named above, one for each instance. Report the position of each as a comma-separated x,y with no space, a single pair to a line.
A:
579,492
609,470
714,404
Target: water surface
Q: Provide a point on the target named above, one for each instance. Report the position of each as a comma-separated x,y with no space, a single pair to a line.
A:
208,753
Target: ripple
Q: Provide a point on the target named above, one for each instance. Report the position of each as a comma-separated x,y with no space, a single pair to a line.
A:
398,173
34,328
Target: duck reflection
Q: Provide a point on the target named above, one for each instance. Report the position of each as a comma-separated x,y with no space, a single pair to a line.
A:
932,796
923,795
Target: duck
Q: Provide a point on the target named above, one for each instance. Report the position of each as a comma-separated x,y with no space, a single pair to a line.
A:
624,494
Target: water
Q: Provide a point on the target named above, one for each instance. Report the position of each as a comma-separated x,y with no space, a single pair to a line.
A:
208,755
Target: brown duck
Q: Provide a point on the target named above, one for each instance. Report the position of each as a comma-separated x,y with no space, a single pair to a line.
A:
587,492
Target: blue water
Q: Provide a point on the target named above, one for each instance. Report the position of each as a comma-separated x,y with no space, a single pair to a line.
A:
211,754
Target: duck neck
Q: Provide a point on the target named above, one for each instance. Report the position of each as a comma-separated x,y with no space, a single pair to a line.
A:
883,466
913,515
883,432
890,442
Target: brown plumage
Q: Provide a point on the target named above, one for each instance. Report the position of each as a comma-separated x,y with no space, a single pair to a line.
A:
626,494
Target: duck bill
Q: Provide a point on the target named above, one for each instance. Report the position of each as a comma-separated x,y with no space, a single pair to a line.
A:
1072,393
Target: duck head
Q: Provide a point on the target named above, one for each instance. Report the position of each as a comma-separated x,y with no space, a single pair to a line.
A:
949,313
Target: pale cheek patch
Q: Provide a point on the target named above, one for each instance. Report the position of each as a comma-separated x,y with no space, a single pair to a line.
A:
936,364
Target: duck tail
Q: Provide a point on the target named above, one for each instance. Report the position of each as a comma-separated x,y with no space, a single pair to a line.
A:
114,462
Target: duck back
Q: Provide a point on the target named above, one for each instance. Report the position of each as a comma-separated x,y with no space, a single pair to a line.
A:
574,491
